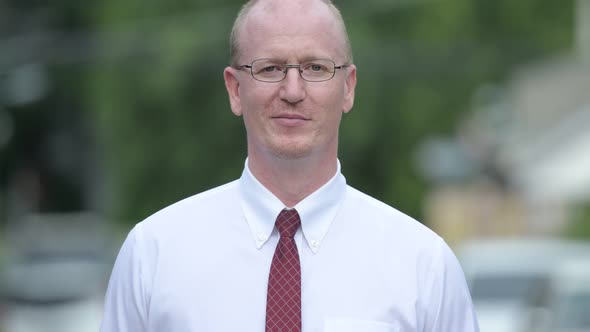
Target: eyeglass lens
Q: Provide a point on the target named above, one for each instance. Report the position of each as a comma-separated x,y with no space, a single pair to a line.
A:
270,70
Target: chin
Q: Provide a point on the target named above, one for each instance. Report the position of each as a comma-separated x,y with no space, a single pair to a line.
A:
291,151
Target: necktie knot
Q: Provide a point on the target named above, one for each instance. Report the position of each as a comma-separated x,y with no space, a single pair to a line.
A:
288,222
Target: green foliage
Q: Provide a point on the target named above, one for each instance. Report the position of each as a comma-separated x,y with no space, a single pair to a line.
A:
579,227
167,130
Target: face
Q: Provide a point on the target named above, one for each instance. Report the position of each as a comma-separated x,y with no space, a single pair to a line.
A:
292,118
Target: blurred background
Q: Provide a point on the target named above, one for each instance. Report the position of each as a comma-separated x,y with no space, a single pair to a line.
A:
472,116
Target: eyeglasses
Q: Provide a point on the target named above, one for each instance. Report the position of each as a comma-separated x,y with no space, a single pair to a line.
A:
272,70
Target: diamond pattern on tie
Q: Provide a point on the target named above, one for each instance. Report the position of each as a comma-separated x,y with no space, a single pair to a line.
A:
283,302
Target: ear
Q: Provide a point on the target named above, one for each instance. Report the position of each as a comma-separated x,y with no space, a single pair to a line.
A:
350,86
233,90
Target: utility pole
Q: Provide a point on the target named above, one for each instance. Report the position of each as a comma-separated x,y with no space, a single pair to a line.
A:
582,29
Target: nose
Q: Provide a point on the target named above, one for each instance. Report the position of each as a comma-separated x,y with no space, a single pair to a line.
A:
293,86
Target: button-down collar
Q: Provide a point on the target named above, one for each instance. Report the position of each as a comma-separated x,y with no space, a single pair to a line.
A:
317,211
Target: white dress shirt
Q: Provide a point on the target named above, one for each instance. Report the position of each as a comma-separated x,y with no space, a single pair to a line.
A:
202,265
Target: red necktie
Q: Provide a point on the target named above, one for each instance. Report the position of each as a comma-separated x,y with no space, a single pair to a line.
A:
283,301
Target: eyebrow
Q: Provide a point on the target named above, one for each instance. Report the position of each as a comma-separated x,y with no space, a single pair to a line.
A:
303,59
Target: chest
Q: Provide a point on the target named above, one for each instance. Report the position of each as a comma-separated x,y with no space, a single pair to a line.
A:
224,289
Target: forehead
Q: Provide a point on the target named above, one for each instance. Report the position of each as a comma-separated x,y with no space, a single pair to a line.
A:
291,29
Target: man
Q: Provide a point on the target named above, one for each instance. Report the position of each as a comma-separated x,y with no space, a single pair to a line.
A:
337,259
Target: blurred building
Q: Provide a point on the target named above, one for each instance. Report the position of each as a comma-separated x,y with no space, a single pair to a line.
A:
530,140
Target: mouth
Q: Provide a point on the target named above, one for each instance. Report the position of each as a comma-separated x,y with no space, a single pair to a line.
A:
290,120
292,116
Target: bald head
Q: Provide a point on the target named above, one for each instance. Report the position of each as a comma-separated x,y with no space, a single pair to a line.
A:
275,6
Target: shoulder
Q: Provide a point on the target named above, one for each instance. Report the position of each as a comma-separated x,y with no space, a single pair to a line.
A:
192,210
378,214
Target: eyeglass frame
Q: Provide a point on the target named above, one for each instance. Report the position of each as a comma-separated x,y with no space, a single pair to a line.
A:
288,66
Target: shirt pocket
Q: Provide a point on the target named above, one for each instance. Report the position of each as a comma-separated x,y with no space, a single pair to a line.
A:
341,324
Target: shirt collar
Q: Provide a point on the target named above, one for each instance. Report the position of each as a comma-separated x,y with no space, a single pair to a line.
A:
317,211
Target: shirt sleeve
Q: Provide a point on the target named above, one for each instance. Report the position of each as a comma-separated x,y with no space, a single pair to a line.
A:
125,308
446,295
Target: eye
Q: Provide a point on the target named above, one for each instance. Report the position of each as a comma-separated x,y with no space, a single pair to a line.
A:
315,67
270,69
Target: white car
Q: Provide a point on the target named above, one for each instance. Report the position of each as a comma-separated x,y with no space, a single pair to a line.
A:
56,294
569,303
54,273
509,278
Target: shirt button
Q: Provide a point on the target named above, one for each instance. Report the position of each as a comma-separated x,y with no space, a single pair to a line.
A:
261,237
315,243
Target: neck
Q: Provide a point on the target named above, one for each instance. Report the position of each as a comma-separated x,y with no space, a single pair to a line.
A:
291,180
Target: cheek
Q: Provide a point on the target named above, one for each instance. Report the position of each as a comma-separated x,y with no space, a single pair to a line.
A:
255,110
258,99
331,103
